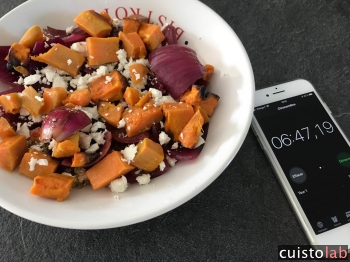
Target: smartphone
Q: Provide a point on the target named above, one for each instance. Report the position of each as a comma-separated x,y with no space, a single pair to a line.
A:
310,156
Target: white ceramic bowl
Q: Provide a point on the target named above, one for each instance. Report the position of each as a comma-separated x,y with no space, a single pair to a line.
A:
215,43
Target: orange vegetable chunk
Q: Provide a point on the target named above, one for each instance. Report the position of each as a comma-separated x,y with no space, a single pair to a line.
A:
144,99
108,88
138,74
80,97
203,112
130,25
32,101
67,147
93,23
131,96
108,169
110,112
177,116
149,155
54,186
106,16
209,70
62,58
151,35
133,45
138,119
11,103
191,132
6,129
80,159
31,36
102,50
41,164
53,98
12,149
18,55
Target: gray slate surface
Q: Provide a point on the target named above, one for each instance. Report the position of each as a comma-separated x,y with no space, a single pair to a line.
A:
243,215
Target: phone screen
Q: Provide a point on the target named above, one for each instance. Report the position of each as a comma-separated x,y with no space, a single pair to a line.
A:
314,156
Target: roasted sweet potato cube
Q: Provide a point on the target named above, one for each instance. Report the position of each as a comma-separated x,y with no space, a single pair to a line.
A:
149,155
138,74
106,16
177,116
37,163
130,25
108,88
138,119
18,55
12,149
140,18
62,58
80,97
54,186
32,101
11,103
133,45
144,99
199,96
53,98
203,112
80,159
131,96
108,169
151,35
93,23
110,112
6,129
191,132
209,70
31,36
102,50
66,148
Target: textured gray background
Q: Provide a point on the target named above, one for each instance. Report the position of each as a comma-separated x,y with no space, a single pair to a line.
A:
243,215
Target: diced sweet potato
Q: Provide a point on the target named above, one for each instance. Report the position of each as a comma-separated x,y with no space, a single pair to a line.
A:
18,55
80,97
31,36
138,119
31,101
62,58
102,50
131,96
133,45
209,70
66,148
144,99
151,35
53,98
149,155
108,169
199,96
203,112
110,112
80,159
108,88
138,73
36,163
140,18
130,25
106,16
12,150
191,132
93,23
177,116
6,129
11,103
54,186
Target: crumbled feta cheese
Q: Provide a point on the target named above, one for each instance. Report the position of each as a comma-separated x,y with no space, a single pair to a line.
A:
119,185
58,81
8,97
31,80
162,166
80,47
92,149
84,140
99,137
49,73
118,23
163,138
36,147
20,80
108,79
23,130
161,124
137,75
66,174
52,144
200,142
40,162
171,161
138,172
129,153
46,45
40,99
175,145
69,30
97,125
69,61
121,123
143,179
92,112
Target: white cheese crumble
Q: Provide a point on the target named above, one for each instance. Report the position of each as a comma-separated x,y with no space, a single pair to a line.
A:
66,174
69,61
36,147
98,137
129,153
144,179
119,185
171,161
200,142
52,144
40,99
40,162
108,79
80,47
92,149
69,30
31,80
97,125
163,138
162,166
84,140
23,130
121,123
175,145
91,112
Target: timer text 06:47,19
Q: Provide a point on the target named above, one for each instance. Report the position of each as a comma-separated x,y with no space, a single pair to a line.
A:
302,134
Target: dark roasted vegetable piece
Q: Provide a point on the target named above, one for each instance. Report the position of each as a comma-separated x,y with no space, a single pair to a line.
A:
18,56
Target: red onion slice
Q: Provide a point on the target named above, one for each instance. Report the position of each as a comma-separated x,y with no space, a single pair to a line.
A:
63,122
177,67
170,35
120,136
